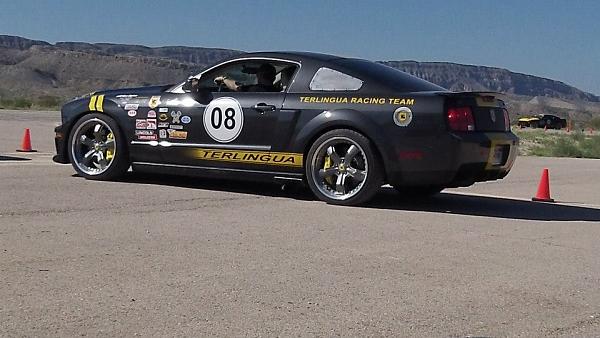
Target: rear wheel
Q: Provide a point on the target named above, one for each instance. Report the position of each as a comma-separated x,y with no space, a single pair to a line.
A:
97,148
343,168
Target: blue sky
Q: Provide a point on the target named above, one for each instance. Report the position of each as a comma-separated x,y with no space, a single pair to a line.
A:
555,39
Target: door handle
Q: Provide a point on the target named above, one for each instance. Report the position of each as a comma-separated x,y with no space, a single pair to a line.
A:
263,107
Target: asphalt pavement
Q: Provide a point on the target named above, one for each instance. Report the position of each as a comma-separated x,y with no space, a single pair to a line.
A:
157,255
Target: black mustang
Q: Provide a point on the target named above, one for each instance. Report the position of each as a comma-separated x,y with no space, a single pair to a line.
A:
344,126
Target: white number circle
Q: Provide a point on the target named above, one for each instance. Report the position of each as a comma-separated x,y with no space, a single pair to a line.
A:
223,119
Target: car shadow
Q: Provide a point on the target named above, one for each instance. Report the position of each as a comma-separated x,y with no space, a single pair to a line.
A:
389,199
13,158
487,206
293,190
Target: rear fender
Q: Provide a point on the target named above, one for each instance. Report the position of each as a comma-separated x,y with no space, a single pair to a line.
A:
341,119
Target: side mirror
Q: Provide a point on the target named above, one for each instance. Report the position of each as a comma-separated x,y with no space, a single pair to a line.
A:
201,95
190,85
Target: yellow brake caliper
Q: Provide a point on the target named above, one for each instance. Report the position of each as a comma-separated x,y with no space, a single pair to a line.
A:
109,151
327,166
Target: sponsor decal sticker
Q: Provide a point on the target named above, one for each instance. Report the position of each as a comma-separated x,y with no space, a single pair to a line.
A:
154,102
148,137
163,124
223,119
126,96
131,113
358,100
162,133
131,106
186,119
176,126
402,116
177,134
163,110
163,117
145,124
151,113
248,156
144,132
176,115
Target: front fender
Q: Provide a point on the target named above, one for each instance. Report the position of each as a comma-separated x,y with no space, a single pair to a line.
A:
73,111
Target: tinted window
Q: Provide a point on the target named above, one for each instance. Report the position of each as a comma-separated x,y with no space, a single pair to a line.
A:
245,74
388,76
331,80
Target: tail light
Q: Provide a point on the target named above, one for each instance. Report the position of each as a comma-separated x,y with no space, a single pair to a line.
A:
460,119
506,121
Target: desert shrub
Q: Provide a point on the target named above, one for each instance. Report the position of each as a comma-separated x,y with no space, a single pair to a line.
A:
568,145
594,123
21,103
48,101
6,103
591,147
578,136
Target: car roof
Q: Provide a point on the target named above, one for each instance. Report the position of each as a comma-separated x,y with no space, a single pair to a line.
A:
376,79
290,55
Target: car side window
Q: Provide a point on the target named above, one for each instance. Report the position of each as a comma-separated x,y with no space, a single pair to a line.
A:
233,71
327,79
250,76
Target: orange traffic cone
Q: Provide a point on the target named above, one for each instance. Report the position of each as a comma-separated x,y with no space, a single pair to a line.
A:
543,193
26,144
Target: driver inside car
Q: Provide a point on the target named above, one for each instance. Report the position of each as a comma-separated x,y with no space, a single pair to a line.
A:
265,76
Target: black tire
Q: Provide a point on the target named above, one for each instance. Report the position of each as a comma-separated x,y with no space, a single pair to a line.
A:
106,144
422,192
361,173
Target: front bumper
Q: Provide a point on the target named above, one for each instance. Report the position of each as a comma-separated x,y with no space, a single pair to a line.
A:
60,142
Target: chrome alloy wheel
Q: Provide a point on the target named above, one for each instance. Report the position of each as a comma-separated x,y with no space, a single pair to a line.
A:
93,147
339,168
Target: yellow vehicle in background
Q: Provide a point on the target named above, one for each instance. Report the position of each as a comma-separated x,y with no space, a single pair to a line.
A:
542,121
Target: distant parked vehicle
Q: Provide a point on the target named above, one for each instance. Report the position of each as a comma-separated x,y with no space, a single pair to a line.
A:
542,121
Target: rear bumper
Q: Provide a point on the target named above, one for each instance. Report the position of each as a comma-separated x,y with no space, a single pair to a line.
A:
458,159
60,142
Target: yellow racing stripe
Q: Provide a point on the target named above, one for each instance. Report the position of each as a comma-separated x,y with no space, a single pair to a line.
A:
92,105
248,157
99,103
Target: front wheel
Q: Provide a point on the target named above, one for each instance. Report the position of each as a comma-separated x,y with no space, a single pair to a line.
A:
342,167
97,148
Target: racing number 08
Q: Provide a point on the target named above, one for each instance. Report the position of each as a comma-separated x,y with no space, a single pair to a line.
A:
223,119
216,118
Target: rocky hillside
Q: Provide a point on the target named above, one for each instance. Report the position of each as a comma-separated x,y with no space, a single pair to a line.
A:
458,77
31,69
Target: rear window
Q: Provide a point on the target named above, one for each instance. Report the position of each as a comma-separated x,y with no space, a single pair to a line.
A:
388,76
327,79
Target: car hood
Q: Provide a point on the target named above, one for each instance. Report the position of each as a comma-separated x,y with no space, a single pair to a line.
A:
140,91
